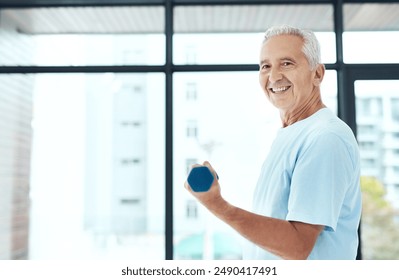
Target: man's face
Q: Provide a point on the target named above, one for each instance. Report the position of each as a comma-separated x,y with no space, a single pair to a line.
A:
285,74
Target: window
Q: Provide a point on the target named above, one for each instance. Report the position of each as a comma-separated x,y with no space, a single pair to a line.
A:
83,156
370,106
230,34
371,20
190,162
95,137
191,91
377,150
367,145
192,209
81,36
394,109
192,129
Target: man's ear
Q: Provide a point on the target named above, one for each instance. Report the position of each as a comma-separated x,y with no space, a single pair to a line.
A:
319,74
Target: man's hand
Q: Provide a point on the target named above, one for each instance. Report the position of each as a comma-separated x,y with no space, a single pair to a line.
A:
210,199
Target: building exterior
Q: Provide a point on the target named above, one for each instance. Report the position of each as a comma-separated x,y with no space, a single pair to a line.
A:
377,107
15,148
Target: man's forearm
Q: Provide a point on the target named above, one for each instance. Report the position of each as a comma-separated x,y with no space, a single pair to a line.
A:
289,240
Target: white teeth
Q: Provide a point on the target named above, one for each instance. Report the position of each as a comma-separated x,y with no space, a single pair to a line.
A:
279,89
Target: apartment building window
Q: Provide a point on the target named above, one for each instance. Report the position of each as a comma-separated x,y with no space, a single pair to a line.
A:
189,163
366,128
192,129
371,106
395,109
365,145
192,209
369,163
191,91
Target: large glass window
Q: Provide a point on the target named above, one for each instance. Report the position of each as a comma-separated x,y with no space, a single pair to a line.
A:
233,34
235,125
373,29
97,138
379,150
83,187
82,36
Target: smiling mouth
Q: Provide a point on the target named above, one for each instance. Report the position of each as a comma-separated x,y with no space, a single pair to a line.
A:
279,89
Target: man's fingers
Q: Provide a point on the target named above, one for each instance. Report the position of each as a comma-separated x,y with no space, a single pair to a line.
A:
207,164
187,186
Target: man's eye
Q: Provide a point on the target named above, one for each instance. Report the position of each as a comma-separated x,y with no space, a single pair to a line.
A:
265,66
287,63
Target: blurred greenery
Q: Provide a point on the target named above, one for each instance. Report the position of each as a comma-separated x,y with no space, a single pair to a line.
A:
380,225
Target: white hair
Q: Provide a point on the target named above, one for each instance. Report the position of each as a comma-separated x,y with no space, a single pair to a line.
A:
311,46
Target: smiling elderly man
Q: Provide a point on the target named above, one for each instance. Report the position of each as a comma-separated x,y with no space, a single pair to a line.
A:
307,202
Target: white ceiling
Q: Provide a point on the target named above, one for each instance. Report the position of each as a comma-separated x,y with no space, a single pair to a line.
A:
199,19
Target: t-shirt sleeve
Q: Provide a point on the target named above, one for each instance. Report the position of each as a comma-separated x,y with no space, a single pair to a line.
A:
319,182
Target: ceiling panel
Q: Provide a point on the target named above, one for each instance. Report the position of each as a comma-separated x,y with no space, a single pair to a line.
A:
251,18
88,20
199,19
370,17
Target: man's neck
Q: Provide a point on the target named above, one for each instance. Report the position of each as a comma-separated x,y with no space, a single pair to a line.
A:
305,112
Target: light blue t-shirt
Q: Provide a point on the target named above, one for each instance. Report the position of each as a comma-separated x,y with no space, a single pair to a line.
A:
312,175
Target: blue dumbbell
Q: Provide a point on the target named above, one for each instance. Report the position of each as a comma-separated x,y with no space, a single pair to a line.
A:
200,179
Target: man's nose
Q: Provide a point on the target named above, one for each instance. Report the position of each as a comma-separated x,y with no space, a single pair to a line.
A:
274,75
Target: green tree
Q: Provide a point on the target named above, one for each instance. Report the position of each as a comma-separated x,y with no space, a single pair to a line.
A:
380,226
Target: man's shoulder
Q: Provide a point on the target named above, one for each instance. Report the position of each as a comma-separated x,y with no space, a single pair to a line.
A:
328,123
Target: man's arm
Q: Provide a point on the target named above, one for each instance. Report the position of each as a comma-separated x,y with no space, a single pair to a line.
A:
287,239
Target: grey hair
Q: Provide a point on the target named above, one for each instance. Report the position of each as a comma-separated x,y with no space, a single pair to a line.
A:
311,46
